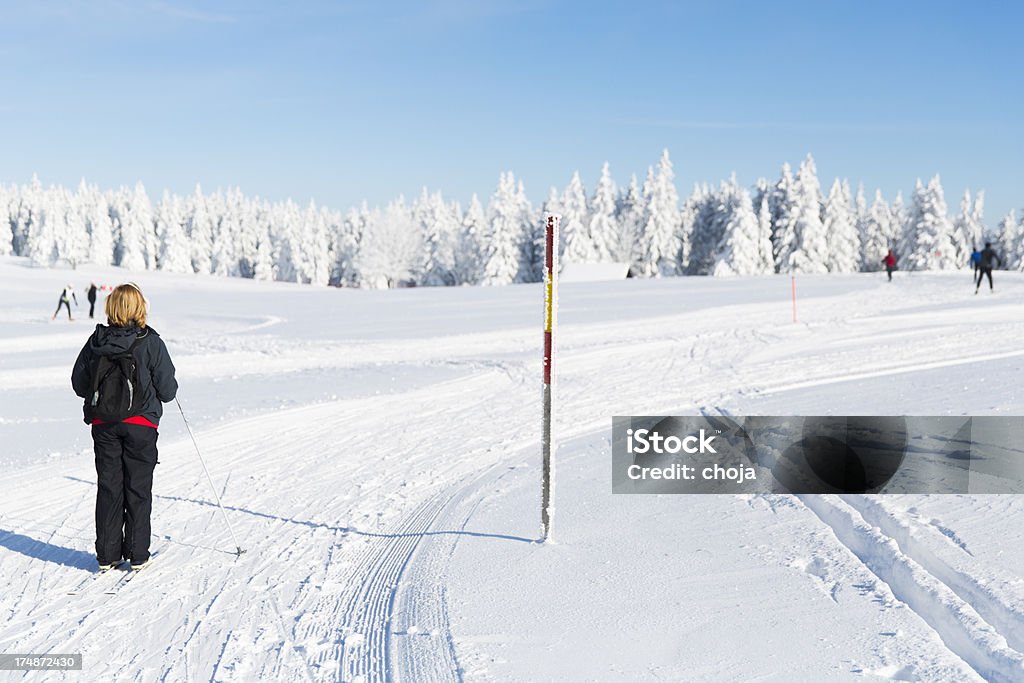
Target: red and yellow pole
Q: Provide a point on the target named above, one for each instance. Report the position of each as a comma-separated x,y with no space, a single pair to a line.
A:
550,309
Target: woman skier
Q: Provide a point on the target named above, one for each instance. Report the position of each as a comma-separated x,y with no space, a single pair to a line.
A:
65,300
124,373
890,263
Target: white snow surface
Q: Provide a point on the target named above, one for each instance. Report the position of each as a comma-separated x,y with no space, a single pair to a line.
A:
378,456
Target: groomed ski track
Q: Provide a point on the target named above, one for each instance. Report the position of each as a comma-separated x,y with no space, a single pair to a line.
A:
351,511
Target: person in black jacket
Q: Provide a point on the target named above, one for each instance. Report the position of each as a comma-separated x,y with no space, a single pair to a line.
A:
985,265
91,295
125,449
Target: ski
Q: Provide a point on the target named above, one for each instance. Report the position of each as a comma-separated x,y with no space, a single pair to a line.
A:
129,574
126,576
91,580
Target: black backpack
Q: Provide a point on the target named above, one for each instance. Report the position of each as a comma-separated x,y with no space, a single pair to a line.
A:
114,393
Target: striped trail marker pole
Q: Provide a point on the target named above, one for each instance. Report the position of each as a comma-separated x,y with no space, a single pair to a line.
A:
547,508
793,280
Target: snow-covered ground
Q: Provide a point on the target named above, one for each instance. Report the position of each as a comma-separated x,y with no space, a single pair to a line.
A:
378,453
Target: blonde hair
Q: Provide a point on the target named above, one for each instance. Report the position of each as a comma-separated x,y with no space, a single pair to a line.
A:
125,306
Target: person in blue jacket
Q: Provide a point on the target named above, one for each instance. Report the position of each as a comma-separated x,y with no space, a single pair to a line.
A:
975,262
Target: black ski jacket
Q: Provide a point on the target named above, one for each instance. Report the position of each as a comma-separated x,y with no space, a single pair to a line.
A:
156,372
988,255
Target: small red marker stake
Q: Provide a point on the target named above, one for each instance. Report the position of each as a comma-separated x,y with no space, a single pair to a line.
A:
793,278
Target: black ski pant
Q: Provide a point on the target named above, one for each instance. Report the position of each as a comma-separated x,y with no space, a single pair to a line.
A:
125,458
889,273
63,302
92,306
982,272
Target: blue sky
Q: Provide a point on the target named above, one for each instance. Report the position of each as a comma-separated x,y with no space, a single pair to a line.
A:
345,101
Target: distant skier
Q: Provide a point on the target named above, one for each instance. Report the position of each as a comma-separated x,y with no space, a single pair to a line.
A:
890,263
975,261
91,295
65,300
988,255
124,372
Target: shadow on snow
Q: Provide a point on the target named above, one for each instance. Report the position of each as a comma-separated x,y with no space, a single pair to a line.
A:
48,552
339,529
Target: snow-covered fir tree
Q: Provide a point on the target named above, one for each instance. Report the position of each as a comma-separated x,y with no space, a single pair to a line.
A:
930,224
323,223
242,215
968,228
173,252
808,251
41,234
1017,260
223,261
1007,242
629,215
29,205
263,265
741,251
782,204
6,222
841,230
468,264
708,211
861,220
660,223
766,259
200,232
440,225
761,201
346,247
906,238
577,245
389,251
96,213
688,215
503,254
977,220
72,237
134,233
604,233
860,209
878,230
531,264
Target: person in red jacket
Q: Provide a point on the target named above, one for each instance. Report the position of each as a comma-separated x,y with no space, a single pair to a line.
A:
890,263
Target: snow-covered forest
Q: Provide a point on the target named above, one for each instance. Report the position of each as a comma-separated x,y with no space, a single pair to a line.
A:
789,225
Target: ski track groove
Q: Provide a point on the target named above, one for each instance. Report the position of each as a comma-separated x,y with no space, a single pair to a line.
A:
416,656
960,627
1008,620
414,663
374,623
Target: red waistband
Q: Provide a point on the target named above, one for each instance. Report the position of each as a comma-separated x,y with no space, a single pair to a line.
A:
136,420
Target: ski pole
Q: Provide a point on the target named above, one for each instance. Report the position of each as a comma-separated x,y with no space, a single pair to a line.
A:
238,548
